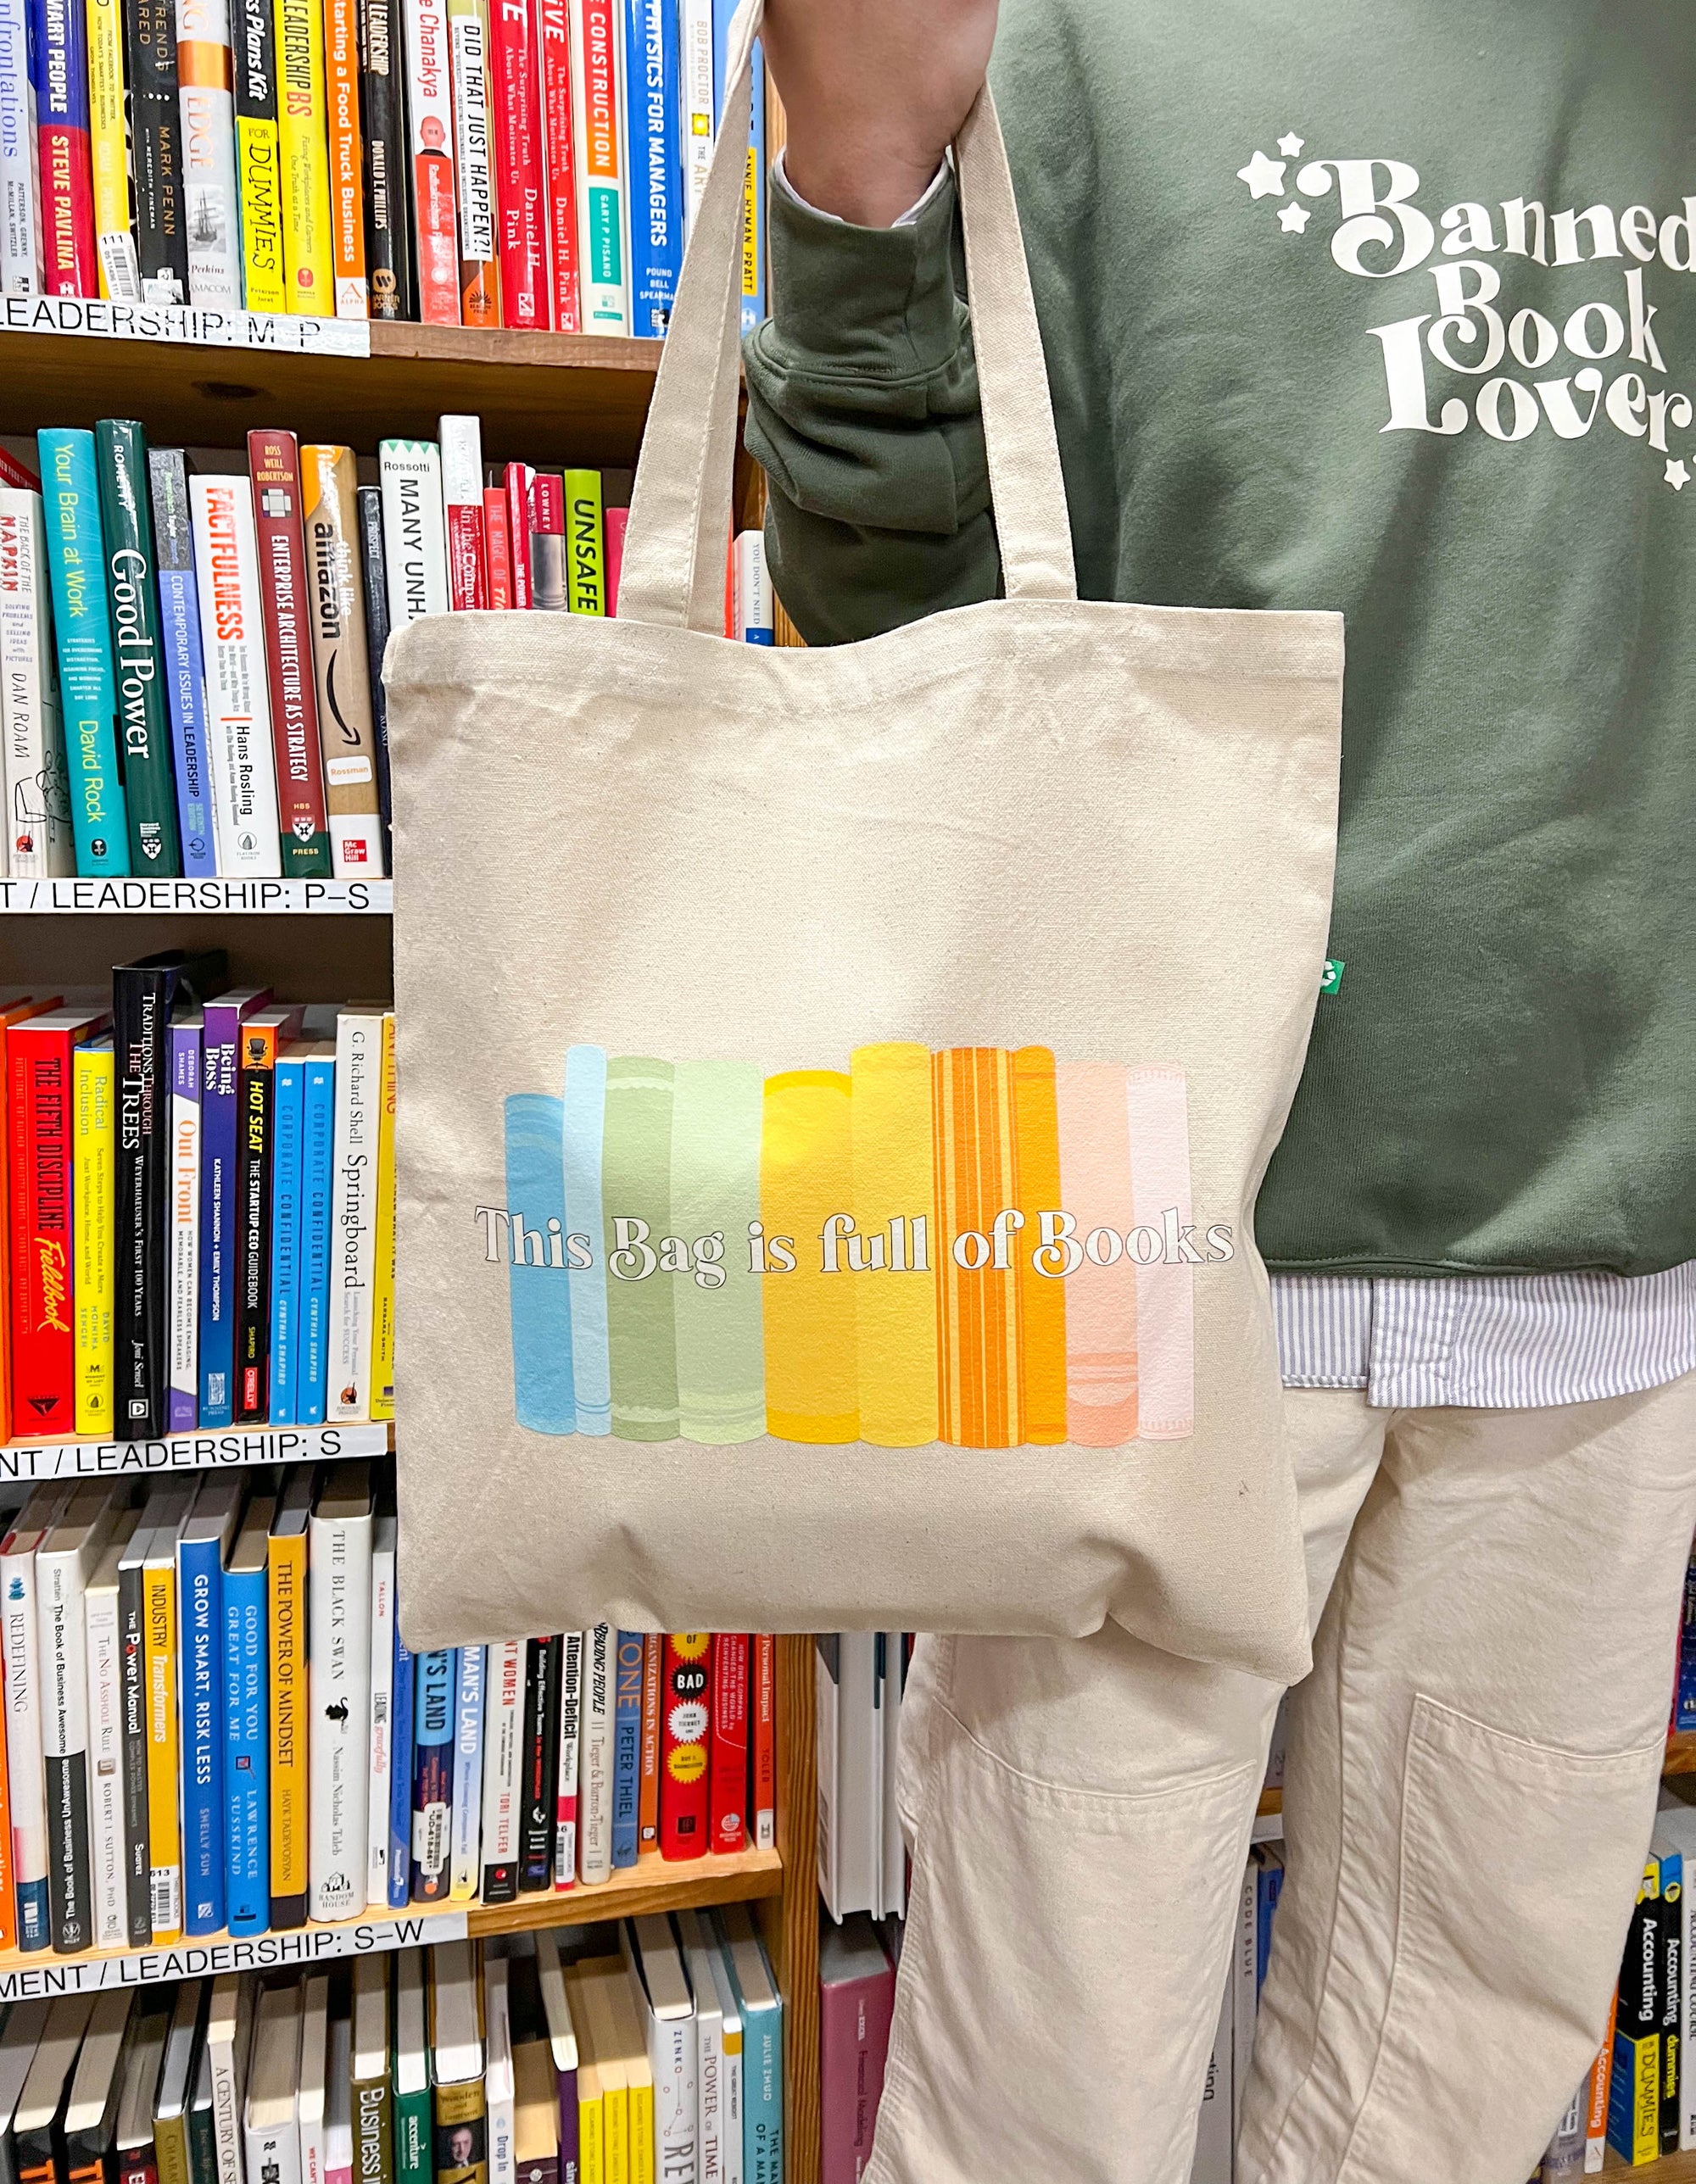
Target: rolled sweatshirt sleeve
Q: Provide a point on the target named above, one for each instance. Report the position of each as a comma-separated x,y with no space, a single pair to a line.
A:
863,409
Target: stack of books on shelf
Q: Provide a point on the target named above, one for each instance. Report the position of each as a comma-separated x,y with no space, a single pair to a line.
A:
199,1189
191,648
534,165
212,1726
612,2055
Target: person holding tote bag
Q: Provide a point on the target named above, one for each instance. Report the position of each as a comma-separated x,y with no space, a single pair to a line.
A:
1390,309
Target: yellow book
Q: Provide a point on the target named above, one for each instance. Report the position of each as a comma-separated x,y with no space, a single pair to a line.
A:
93,1164
895,1212
286,1589
591,1987
305,151
806,1174
259,155
632,2056
382,1245
591,2091
114,245
1041,1297
166,1513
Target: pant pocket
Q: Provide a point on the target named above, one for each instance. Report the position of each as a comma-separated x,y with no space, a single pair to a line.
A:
1060,1981
1519,1867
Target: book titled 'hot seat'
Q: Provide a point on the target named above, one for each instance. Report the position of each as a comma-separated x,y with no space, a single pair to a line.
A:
981,1246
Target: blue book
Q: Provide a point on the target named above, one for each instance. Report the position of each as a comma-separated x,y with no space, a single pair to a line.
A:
247,1725
82,636
317,1169
754,287
288,1110
201,1552
655,169
762,2044
1269,1887
219,1045
627,1747
184,666
467,1871
401,1778
435,1681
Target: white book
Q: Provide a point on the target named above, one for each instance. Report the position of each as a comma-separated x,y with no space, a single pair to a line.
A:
19,2038
271,2130
732,2095
1214,2137
209,199
106,1842
752,589
827,1714
229,2029
499,2087
240,769
40,844
20,223
556,2008
605,304
566,1790
893,1894
359,1100
461,449
1244,1987
415,539
709,2040
595,1760
695,71
312,2096
473,179
183,1247
503,1733
339,1655
67,1559
667,2010
381,1711
338,2111
20,1634
466,1835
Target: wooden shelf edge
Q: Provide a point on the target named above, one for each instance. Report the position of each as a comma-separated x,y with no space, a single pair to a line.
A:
653,1885
1680,1754
501,345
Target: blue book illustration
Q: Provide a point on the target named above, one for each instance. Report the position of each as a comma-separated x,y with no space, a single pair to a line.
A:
539,1291
754,291
657,174
288,1110
468,1770
82,636
583,1123
400,1779
317,1165
184,665
762,2046
246,1800
435,1679
627,1747
220,1043
200,1555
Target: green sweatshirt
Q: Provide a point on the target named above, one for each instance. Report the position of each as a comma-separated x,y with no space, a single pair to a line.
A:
1388,306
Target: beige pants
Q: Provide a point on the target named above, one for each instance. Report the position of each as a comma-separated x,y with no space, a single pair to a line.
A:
1469,1794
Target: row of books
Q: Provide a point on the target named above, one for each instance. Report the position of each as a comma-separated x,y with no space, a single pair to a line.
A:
213,1725
544,2059
190,650
200,1200
534,164
859,1678
1684,1691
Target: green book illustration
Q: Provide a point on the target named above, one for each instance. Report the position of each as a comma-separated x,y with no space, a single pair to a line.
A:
138,665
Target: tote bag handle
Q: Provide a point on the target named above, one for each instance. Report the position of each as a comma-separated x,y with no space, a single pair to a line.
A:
679,528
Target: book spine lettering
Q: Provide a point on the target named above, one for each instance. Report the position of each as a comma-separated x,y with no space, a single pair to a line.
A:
258,157
387,238
156,150
479,271
83,634
58,71
303,145
519,191
566,1778
273,459
429,109
115,247
559,165
20,263
243,779
347,158
182,668
211,200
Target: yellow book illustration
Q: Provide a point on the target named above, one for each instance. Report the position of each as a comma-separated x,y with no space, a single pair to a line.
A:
305,155
383,1242
114,246
806,1174
94,1157
285,1584
158,1661
1041,1299
894,1197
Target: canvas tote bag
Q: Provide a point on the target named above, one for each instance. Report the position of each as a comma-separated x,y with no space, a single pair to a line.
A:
834,1084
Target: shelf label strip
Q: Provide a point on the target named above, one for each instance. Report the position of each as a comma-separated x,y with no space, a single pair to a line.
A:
280,332
312,1945
209,1451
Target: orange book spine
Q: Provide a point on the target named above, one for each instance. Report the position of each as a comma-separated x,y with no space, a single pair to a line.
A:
648,1793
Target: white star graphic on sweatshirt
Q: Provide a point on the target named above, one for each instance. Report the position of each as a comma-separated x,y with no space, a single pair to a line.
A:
1676,473
1293,218
1264,177
1290,145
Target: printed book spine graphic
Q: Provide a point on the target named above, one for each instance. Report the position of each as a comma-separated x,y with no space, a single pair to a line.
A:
160,1665
347,158
462,499
414,533
286,1566
498,547
308,257
156,150
88,695
683,1735
132,1636
584,591
1671,1984
429,109
728,1776
359,1067
558,166
94,1190
381,1406
43,1238
150,782
374,587
317,1194
288,1114
467,1787
388,225
541,1763
227,557
201,1597
566,1778
434,1678
221,1065
546,544
600,175
474,182
754,206
20,256
654,92
259,156
519,191
273,460
211,219
183,667
338,1651
184,1398
627,1745
59,74
108,153
141,1024
515,481
255,1103
22,1672
382,1739
763,1708
653,1697
40,843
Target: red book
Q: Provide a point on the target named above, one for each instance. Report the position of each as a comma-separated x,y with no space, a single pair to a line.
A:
686,1722
12,1011
762,1741
648,1796
60,70
856,2000
558,183
136,2164
38,1055
613,521
517,485
274,463
520,220
461,444
497,547
12,472
727,1776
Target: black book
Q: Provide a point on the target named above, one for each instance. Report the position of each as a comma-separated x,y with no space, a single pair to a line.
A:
38,2118
375,582
161,225
388,257
90,2113
143,995
541,1762
131,1637
1670,1983
261,1034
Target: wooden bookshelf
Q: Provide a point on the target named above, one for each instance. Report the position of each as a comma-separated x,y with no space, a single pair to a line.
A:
1681,1753
653,1885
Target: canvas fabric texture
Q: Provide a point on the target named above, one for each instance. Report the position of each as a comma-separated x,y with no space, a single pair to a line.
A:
1470,1788
869,1059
